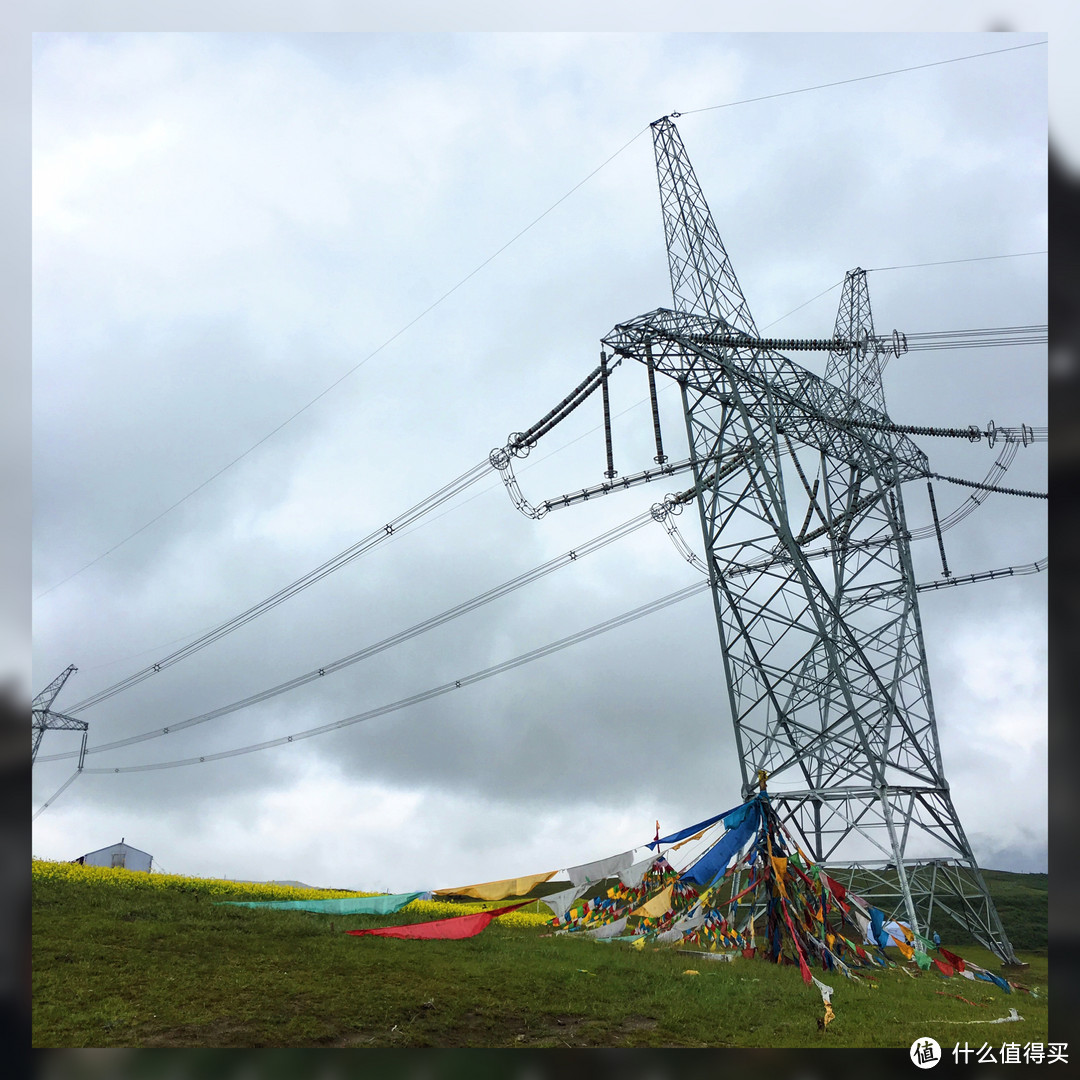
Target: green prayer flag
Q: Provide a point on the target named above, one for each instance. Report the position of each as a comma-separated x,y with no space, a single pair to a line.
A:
385,904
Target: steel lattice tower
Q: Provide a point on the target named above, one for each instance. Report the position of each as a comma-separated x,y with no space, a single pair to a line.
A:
809,561
43,718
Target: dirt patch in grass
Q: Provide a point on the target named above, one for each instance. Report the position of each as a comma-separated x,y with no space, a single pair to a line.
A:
223,1033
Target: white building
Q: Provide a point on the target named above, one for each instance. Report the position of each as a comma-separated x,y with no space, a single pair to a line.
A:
117,855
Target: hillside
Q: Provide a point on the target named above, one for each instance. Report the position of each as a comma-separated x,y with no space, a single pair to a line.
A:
141,960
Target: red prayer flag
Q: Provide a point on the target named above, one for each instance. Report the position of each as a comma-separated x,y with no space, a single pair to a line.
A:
798,949
946,969
956,961
460,926
835,887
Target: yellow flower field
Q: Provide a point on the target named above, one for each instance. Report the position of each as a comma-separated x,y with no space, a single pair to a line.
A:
117,878
137,880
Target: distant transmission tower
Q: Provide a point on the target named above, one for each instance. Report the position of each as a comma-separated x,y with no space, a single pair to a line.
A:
798,483
42,717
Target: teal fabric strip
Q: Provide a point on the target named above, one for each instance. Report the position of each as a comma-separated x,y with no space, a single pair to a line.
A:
386,904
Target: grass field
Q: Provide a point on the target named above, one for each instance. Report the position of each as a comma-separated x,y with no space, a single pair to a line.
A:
127,959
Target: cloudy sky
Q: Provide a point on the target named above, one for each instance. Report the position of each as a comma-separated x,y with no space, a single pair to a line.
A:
419,240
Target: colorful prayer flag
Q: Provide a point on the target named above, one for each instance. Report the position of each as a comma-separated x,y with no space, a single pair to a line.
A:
460,926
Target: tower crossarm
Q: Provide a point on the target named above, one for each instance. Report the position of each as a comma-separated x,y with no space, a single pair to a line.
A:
695,350
56,721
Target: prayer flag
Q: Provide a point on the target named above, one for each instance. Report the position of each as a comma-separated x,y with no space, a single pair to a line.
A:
460,926
657,906
498,890
956,961
383,904
602,868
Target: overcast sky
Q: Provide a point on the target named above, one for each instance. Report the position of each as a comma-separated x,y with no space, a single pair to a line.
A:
227,225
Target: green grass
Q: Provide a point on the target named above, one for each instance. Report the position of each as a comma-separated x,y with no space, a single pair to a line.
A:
1022,902
169,968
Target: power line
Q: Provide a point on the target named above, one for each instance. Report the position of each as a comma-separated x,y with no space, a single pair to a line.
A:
56,794
374,352
985,575
988,337
496,593
448,491
906,266
860,78
801,306
436,691
949,262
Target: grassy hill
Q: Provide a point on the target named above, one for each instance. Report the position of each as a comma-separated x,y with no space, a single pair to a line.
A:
123,959
1022,901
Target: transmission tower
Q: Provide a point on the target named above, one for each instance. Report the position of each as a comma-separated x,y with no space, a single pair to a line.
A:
43,718
798,483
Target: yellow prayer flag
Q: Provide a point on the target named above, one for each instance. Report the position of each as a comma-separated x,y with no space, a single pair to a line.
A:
659,905
780,869
696,836
498,890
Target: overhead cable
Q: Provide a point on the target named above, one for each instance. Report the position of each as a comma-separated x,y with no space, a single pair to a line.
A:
519,444
950,262
989,337
860,78
499,591
448,491
427,695
412,322
56,794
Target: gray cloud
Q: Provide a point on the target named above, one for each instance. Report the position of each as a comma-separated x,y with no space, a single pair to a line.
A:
224,226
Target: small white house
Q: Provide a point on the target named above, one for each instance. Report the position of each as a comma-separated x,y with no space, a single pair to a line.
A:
121,854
